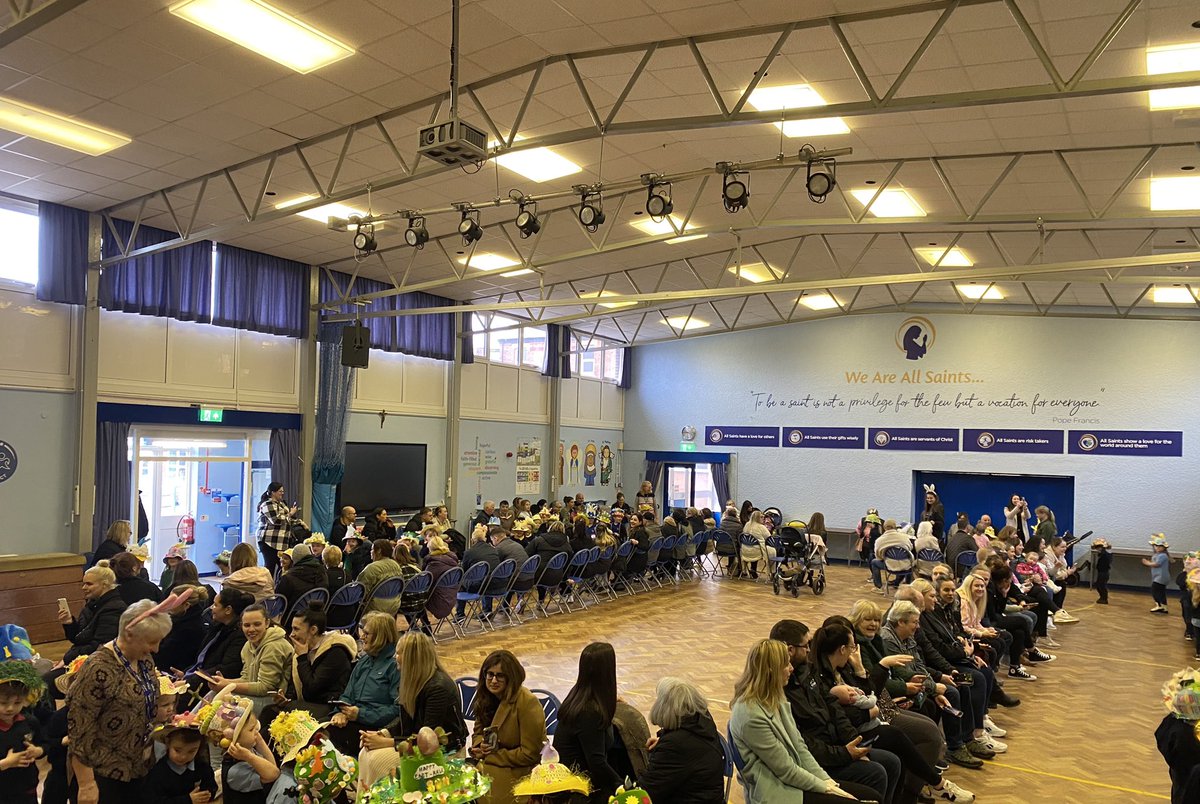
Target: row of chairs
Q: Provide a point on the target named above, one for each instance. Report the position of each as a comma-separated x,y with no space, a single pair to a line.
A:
963,563
469,685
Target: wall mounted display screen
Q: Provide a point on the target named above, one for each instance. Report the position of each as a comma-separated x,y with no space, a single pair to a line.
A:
390,476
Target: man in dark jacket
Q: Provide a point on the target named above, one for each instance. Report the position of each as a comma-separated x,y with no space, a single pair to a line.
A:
307,573
343,524
419,520
480,550
828,733
959,542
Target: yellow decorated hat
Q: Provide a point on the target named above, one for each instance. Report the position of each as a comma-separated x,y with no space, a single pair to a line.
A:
550,776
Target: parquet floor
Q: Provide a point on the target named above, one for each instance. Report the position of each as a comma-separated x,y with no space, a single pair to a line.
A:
1084,732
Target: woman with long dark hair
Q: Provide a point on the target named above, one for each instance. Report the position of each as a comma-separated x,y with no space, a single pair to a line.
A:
275,520
585,722
510,726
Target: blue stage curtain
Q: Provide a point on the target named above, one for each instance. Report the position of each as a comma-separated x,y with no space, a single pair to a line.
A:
626,368
557,362
62,253
466,346
335,388
113,477
260,293
432,336
172,284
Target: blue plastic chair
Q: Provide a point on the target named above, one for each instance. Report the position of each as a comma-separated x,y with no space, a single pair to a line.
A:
498,588
964,562
727,747
930,555
657,564
523,588
896,577
467,687
450,579
388,590
275,605
598,576
575,571
415,595
548,582
348,598
318,597
550,705
722,541
734,754
470,591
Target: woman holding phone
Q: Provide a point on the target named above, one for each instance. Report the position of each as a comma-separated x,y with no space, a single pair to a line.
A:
1016,515
510,726
266,657
275,520
369,700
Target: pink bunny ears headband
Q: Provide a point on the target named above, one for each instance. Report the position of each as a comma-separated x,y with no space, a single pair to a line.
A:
170,604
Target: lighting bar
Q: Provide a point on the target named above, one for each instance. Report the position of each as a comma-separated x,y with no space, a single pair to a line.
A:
44,125
259,26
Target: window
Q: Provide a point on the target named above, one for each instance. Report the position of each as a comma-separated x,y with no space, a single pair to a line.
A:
19,233
479,340
504,345
533,347
591,356
614,361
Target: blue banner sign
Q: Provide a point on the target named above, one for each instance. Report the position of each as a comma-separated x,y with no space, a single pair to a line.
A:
925,439
824,437
1153,443
718,436
1049,442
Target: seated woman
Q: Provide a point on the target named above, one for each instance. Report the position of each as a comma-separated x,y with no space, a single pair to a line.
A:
403,555
321,664
752,554
584,735
97,621
777,767
687,761
132,585
1036,584
180,648
427,697
437,562
480,551
926,541
246,575
510,726
221,649
947,611
1060,571
369,700
999,589
116,541
265,658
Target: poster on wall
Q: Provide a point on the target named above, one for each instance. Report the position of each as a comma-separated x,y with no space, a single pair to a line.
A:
589,464
606,463
574,466
529,466
483,463
562,449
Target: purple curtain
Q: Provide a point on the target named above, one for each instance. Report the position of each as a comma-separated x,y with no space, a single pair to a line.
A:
466,346
557,362
113,477
172,284
432,336
626,368
62,253
260,293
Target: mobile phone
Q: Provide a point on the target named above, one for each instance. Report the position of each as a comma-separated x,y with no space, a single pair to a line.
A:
338,704
950,710
205,676
867,742
64,606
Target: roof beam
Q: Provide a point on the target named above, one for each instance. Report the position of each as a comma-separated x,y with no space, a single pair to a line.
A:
27,20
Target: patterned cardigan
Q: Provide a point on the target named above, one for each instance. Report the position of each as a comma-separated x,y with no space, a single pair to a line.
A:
106,719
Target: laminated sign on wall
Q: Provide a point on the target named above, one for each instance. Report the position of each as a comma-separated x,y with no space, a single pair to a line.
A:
529,467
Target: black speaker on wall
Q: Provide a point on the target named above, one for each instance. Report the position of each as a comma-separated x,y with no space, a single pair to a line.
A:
356,346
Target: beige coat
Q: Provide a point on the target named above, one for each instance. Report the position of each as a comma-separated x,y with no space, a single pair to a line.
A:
521,728
255,581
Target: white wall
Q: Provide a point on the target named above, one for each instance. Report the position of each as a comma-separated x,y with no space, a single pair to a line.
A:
38,499
1139,374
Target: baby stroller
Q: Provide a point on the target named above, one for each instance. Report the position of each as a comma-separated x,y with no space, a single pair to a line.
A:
800,560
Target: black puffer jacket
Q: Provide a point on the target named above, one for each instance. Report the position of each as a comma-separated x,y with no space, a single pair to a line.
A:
96,624
688,764
822,722
135,589
548,545
307,573
182,643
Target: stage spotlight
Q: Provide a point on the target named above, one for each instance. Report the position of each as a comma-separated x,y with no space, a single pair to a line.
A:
416,235
591,210
469,226
735,193
527,220
822,174
364,238
658,201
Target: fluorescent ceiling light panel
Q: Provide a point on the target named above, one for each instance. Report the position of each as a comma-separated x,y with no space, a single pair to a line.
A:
518,272
1175,193
322,214
682,322
957,258
797,96
1172,294
489,262
660,227
266,30
755,272
44,125
822,301
973,290
890,203
535,164
1174,59
593,294
684,238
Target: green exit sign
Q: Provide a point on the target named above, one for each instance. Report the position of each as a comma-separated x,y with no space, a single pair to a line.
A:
687,446
212,414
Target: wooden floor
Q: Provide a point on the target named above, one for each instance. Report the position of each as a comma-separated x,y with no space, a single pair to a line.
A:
1083,733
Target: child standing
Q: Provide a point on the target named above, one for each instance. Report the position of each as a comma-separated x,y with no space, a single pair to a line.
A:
183,775
1102,549
21,743
1160,572
249,769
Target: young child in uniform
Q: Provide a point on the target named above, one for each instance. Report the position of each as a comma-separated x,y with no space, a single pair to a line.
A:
21,741
1159,563
1103,551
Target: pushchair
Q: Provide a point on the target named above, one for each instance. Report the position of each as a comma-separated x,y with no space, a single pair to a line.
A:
799,561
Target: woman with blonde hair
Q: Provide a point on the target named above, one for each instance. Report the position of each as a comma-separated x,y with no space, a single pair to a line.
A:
754,553
97,621
246,576
777,767
427,697
116,540
369,699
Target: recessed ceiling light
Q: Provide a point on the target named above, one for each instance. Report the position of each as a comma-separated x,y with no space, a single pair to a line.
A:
487,261
1172,294
890,203
1174,193
956,258
535,164
684,323
797,96
322,214
661,226
973,290
518,272
755,272
821,301
673,240
44,125
1174,59
593,294
266,30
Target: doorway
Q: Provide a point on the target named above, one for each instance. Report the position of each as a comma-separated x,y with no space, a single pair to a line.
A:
689,485
193,484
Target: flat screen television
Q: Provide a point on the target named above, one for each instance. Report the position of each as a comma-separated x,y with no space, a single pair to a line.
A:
390,476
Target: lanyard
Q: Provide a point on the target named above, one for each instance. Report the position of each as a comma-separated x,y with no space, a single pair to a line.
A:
146,681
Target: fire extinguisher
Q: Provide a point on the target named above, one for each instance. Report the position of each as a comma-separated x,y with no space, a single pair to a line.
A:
185,530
